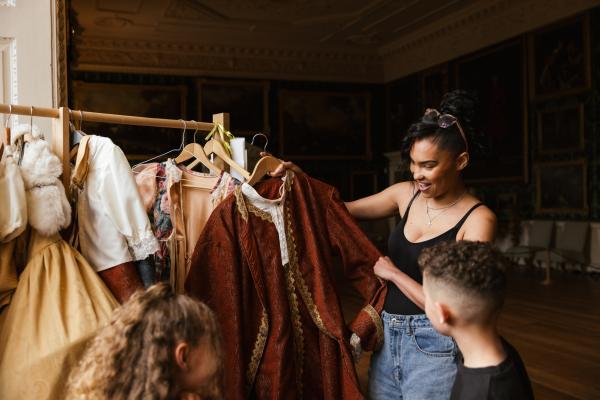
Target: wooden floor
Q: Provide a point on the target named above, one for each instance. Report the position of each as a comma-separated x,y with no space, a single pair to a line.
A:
555,328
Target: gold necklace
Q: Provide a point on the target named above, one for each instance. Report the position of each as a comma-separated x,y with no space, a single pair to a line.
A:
443,209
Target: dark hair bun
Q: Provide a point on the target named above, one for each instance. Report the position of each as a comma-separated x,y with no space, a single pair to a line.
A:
461,104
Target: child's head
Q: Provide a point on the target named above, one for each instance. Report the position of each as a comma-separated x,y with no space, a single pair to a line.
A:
157,345
464,284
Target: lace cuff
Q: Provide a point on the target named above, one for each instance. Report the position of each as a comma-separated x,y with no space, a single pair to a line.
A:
142,246
356,347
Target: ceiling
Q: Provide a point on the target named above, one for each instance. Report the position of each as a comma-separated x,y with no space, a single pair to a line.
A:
333,40
350,25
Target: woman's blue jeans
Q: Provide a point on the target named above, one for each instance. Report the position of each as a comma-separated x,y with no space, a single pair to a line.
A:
414,363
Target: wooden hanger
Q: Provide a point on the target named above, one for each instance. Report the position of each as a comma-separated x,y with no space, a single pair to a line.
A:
185,152
265,165
213,146
195,150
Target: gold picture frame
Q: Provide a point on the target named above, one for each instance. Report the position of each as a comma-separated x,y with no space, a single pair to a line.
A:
324,125
156,101
498,78
559,59
247,103
561,187
558,127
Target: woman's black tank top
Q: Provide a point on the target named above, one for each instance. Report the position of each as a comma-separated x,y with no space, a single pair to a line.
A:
405,255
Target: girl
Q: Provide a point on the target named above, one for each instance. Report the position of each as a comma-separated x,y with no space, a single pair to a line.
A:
158,345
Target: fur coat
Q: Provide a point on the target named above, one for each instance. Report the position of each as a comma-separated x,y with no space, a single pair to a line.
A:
47,206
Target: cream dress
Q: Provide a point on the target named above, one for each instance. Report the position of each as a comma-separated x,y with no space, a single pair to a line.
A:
59,302
13,221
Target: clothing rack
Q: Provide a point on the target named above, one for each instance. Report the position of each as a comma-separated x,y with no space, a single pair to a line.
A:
61,133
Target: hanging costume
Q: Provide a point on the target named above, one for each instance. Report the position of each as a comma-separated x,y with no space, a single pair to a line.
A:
59,302
114,230
13,221
179,202
263,266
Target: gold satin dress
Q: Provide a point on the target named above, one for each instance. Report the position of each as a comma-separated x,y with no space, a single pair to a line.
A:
58,305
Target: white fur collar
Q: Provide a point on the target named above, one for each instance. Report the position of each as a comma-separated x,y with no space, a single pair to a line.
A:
47,204
23,129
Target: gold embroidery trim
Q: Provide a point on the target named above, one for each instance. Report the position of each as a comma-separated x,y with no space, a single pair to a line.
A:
304,292
376,318
297,324
259,213
257,352
289,179
241,204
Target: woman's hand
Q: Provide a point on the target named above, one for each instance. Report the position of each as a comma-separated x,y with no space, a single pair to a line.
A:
385,268
285,165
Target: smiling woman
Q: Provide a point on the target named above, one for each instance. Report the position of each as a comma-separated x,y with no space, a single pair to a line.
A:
435,207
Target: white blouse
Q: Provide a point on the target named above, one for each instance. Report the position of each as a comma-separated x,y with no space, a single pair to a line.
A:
275,209
113,224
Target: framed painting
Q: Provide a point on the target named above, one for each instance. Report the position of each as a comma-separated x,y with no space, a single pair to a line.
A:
497,78
247,102
402,109
560,129
561,187
560,59
434,84
324,125
137,142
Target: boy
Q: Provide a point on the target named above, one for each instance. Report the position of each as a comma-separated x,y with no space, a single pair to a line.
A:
464,284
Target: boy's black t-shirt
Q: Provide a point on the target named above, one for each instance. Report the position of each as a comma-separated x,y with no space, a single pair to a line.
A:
505,381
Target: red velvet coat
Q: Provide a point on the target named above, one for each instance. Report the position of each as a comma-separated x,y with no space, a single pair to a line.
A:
284,335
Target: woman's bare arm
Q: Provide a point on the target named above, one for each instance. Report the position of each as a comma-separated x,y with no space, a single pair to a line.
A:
480,226
380,205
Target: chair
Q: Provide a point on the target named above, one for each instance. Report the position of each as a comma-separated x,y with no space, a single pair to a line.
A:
536,236
569,244
594,265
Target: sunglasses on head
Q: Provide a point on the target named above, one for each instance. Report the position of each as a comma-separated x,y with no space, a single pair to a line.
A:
445,121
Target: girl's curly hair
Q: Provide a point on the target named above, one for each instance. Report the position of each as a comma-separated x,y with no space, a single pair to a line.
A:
134,356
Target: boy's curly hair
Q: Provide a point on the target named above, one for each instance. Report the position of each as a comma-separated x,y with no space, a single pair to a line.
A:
476,268
134,356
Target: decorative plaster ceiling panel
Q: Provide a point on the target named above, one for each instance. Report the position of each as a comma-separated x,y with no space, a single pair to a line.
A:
351,40
345,24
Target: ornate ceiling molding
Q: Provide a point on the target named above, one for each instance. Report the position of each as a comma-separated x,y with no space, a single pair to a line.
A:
471,28
475,28
127,55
